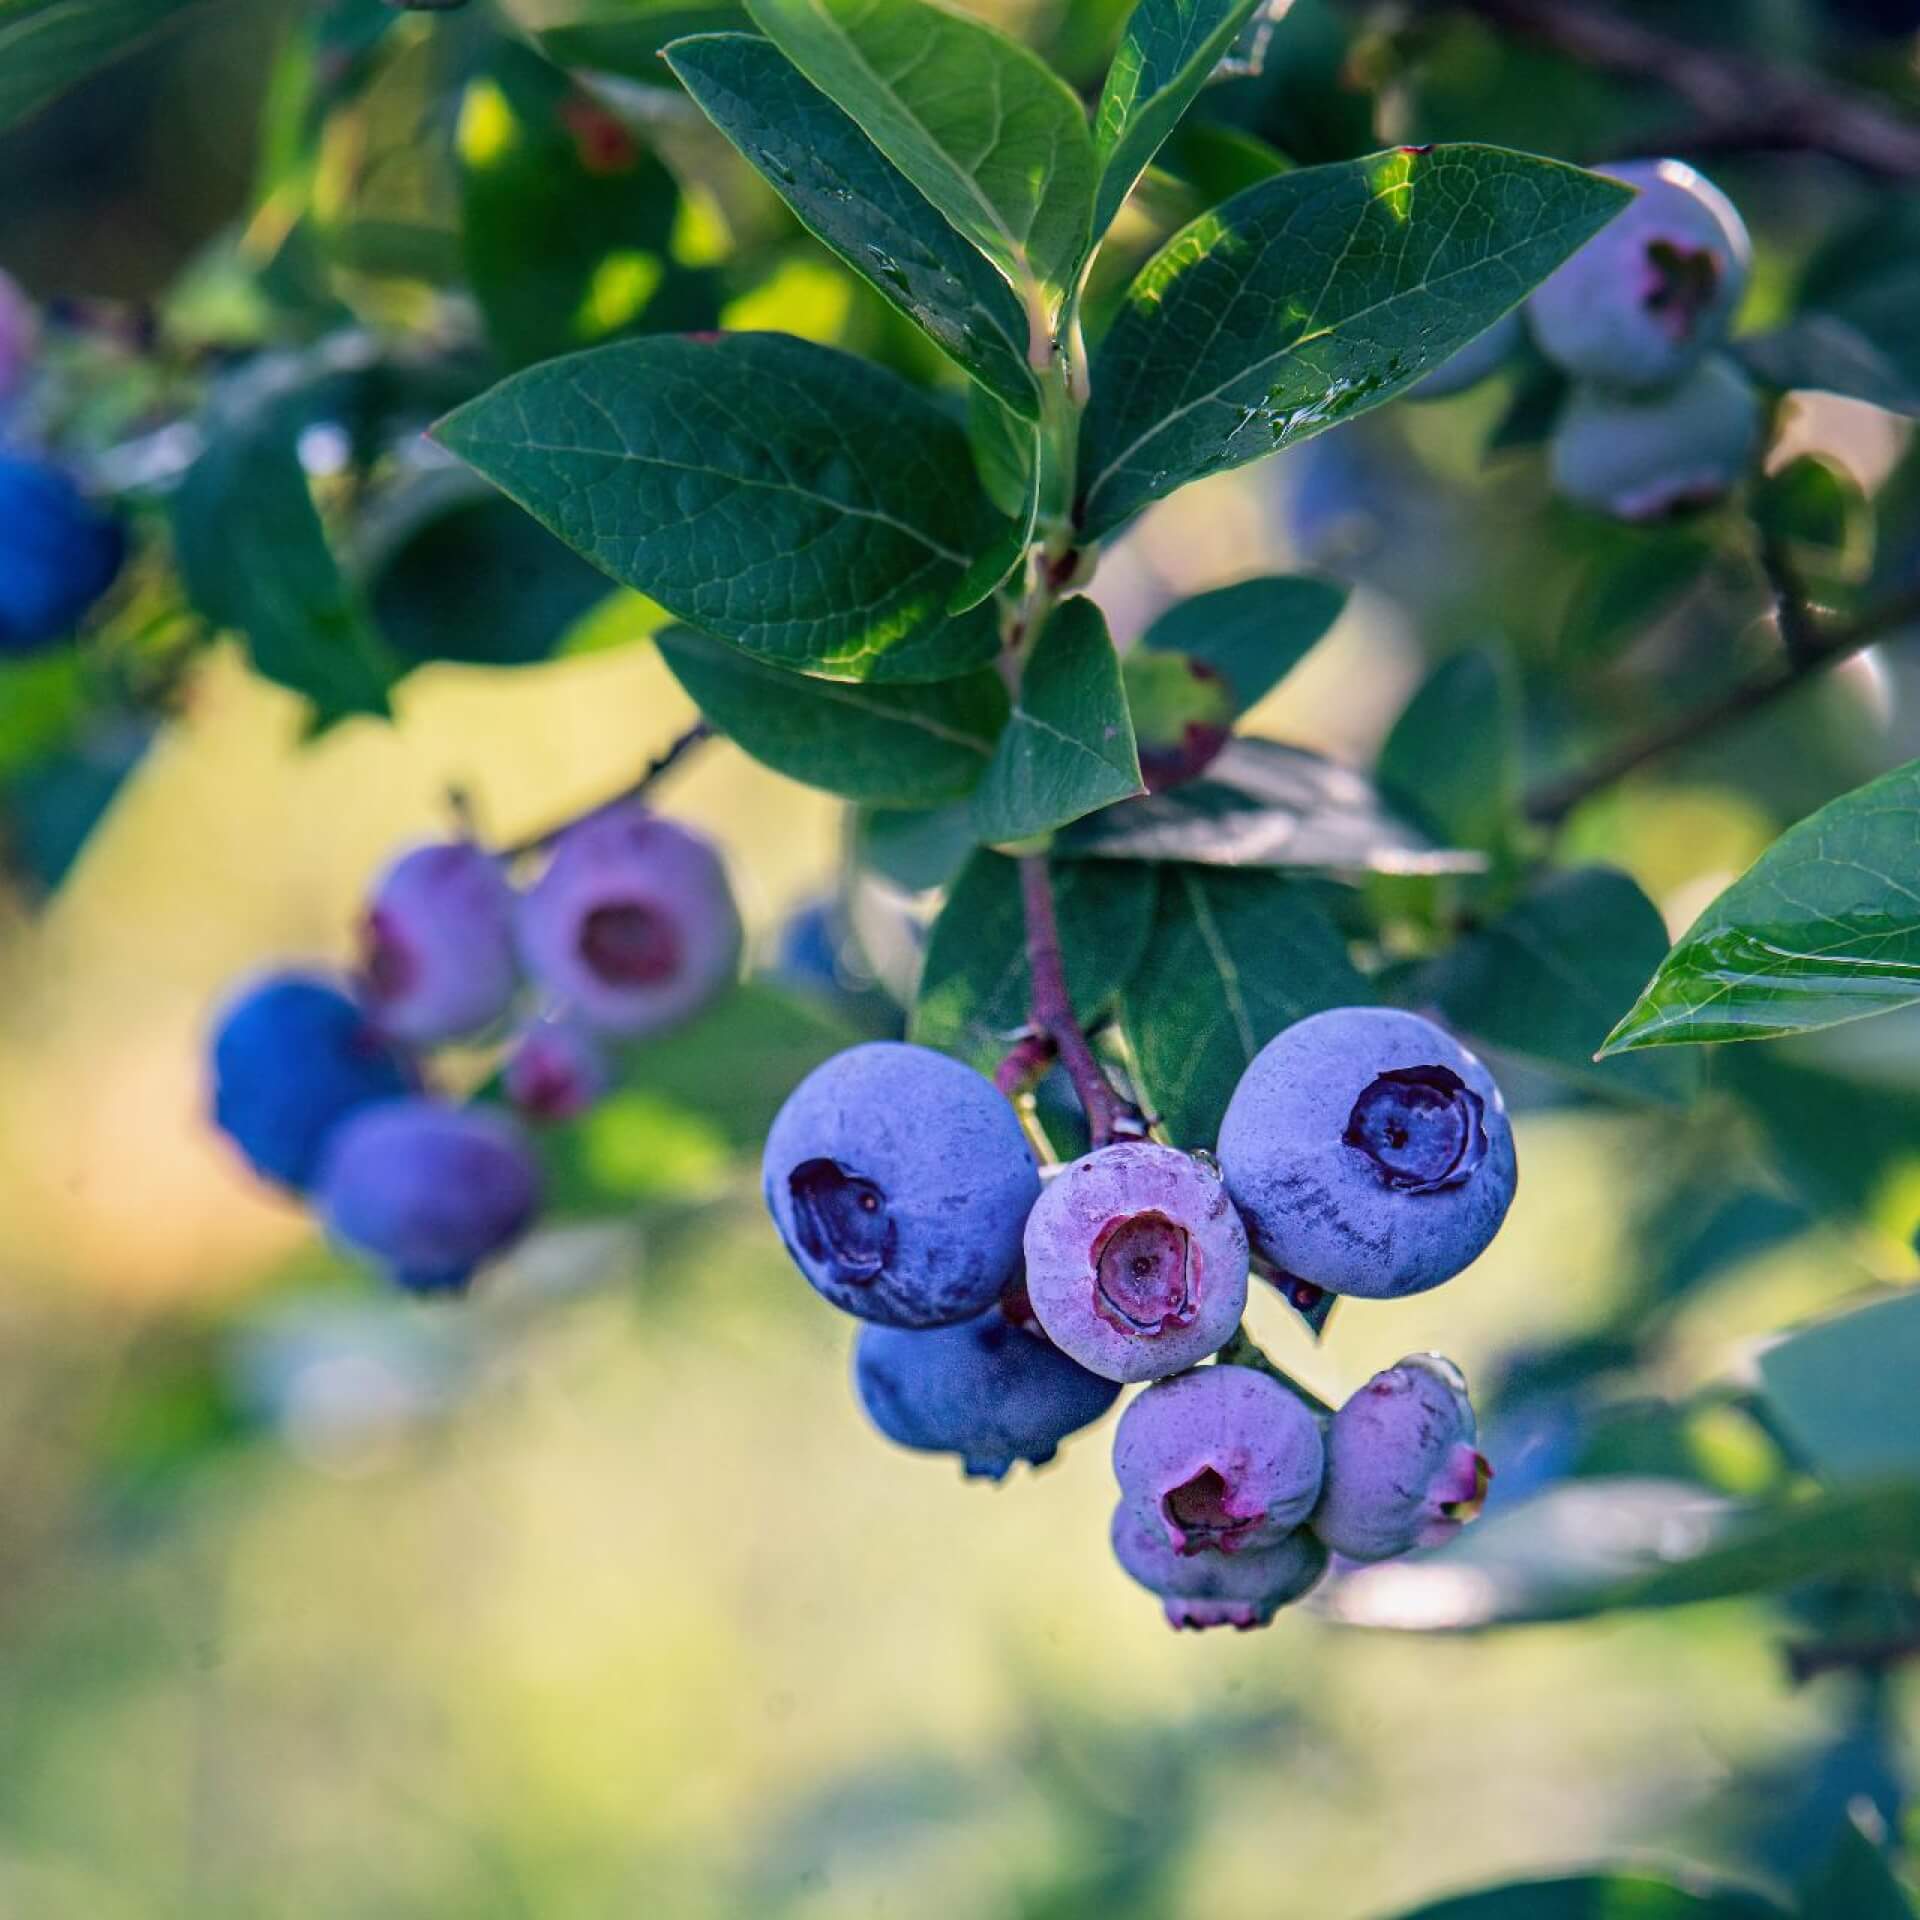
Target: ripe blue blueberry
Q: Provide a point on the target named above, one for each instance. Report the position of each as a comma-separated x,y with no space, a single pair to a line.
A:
58,554
1368,1152
632,925
429,1190
1480,359
900,1180
1136,1261
1214,1589
1222,1459
986,1389
1402,1468
293,1057
556,1069
1654,289
1644,456
437,953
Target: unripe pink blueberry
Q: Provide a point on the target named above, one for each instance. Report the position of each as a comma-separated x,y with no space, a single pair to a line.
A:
1216,1589
1137,1261
1402,1468
632,925
556,1069
1223,1459
436,944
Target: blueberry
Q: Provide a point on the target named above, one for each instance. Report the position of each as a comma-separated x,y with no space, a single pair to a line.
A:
1213,1589
1222,1459
632,925
1368,1152
437,955
1402,1469
556,1069
986,1389
1136,1261
58,554
429,1190
293,1057
1644,456
1654,289
1480,359
900,1181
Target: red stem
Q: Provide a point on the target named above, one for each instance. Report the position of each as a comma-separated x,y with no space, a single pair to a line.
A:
1053,1013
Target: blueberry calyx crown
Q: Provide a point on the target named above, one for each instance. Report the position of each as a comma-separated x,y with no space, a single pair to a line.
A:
1422,1127
1200,1517
842,1221
1681,285
1144,1274
630,944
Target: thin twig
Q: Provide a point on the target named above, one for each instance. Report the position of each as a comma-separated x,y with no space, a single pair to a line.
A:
1799,631
1554,799
637,789
1770,105
1107,1114
1026,1060
1808,1660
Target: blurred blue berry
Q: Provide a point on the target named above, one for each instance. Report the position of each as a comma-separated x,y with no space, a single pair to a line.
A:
58,554
437,956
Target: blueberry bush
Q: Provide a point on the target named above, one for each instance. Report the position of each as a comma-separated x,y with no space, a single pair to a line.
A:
845,354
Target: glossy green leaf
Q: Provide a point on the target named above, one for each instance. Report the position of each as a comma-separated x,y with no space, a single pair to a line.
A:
813,508
975,986
1314,296
1824,927
1543,981
1232,959
1262,804
886,746
852,198
1842,1390
46,46
254,556
1068,749
1252,634
1163,60
1605,1896
626,41
566,219
1452,759
983,128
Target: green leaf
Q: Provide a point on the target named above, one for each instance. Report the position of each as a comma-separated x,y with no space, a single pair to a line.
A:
254,557
1543,981
46,46
1262,804
1068,749
975,986
627,42
1252,634
981,126
1312,297
1167,51
854,200
811,507
1823,927
1843,1390
1626,587
1856,1882
1006,453
566,219
1233,958
1604,1896
1452,759
1823,353
886,746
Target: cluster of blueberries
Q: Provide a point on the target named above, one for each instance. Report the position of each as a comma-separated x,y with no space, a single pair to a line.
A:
1364,1153
58,551
629,929
1658,418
